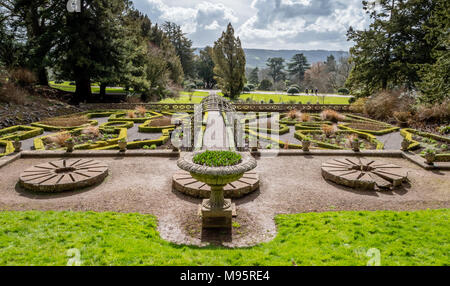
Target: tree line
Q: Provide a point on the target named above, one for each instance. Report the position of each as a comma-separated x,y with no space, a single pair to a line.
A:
107,41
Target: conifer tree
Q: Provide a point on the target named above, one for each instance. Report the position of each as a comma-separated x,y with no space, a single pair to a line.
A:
229,61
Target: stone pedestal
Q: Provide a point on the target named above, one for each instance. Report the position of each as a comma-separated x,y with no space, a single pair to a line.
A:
217,217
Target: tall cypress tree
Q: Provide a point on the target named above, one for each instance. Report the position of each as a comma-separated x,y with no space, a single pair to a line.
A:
229,61
253,77
298,66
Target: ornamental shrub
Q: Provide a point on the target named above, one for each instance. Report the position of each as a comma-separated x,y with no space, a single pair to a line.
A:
217,158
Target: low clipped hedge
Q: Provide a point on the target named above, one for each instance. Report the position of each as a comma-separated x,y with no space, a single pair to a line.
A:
311,125
96,114
146,128
29,132
280,143
122,134
119,116
282,130
389,129
59,128
301,135
124,124
140,144
9,148
408,136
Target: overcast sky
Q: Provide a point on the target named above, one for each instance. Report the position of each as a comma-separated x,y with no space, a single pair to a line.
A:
265,24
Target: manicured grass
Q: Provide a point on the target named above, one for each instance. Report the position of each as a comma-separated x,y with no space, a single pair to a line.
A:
331,238
65,86
197,96
277,98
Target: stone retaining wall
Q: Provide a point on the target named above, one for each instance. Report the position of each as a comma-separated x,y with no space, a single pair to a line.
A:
239,107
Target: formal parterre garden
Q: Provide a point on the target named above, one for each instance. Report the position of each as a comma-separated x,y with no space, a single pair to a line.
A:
326,130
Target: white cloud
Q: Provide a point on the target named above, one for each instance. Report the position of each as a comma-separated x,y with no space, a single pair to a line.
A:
274,24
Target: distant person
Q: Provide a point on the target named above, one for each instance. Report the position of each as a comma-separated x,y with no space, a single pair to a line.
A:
317,91
306,91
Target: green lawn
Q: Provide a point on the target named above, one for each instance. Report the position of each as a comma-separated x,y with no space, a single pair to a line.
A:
277,98
65,86
331,238
197,96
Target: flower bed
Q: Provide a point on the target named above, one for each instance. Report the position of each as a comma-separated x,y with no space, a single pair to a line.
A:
340,140
82,139
22,132
421,141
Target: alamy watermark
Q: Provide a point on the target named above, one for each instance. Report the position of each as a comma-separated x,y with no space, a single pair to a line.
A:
74,6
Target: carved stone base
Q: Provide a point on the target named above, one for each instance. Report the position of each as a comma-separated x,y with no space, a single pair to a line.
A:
217,218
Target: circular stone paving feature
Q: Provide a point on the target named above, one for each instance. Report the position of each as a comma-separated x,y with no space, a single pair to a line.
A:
364,173
63,175
183,182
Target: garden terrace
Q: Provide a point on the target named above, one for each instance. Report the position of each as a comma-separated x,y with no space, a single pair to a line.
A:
421,141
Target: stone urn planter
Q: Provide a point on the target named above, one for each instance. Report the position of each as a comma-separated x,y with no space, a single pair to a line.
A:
122,145
305,145
17,145
355,145
430,157
70,145
216,211
405,145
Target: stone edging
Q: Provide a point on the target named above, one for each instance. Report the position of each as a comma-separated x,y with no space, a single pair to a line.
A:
162,153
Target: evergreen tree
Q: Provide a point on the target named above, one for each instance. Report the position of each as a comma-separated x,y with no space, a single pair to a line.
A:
89,44
276,67
435,78
205,67
253,77
297,67
229,63
183,47
391,51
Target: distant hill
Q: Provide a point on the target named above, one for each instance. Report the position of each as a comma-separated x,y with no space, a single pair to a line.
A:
258,57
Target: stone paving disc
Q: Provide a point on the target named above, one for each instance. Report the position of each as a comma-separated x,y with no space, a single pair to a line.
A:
363,173
63,175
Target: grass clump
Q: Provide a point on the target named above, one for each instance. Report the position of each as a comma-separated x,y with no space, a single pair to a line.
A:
217,158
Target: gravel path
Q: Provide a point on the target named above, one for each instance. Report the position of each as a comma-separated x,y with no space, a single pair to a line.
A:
288,185
215,135
391,141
